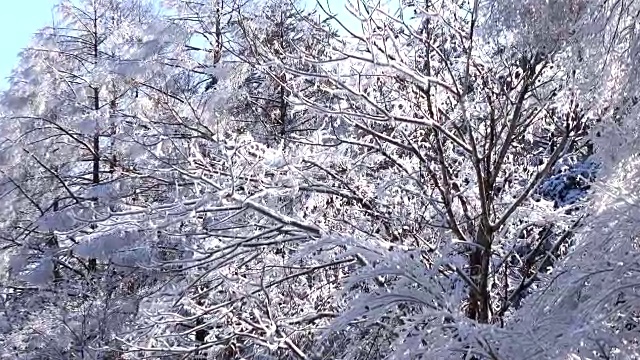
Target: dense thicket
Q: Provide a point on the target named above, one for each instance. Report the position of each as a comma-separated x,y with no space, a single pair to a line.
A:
434,179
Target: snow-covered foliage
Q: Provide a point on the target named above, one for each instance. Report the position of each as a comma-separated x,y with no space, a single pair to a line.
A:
407,180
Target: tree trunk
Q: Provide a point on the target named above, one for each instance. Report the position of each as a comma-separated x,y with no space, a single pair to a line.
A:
479,259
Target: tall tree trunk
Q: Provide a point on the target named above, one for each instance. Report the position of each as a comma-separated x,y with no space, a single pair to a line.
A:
479,259
92,265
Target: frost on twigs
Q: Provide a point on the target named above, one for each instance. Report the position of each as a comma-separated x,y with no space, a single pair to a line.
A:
398,180
57,221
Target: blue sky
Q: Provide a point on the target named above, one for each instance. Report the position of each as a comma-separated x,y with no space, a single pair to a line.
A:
19,19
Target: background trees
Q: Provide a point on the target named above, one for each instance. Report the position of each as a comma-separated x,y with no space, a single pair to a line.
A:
227,179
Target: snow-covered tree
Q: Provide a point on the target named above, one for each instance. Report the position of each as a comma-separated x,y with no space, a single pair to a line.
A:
66,135
453,129
410,180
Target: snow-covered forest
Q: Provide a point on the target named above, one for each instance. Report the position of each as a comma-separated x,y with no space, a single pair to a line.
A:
272,179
